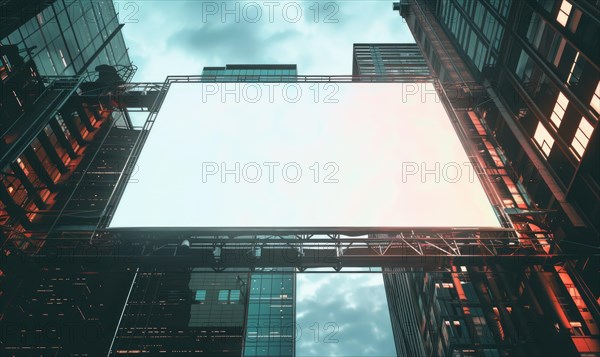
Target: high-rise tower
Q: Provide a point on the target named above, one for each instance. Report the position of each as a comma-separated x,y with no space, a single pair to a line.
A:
62,145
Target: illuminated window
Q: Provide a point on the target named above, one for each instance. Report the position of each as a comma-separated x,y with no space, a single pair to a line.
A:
200,295
223,295
576,328
5,67
62,57
563,13
447,285
229,296
559,109
575,72
22,166
17,98
595,103
582,137
543,139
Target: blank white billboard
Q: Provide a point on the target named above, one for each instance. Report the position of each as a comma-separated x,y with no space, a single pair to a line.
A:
230,155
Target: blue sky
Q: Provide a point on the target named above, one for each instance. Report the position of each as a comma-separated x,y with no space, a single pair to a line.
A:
349,310
182,37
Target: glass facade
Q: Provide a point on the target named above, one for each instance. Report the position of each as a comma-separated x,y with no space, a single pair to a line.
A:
59,153
526,72
389,58
250,73
66,36
476,27
271,314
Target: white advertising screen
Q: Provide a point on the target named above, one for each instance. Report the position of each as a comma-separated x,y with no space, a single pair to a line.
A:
303,155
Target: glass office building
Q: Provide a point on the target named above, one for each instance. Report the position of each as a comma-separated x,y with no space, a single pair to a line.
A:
60,152
71,37
45,122
181,312
521,77
271,314
209,313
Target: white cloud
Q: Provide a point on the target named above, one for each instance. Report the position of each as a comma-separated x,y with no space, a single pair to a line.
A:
356,309
175,37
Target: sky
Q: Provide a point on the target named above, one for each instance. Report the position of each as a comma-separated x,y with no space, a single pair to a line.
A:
181,37
349,311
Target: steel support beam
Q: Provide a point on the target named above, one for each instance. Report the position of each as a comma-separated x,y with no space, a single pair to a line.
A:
173,249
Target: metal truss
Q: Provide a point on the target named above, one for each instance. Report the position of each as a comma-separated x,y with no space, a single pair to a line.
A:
429,249
379,78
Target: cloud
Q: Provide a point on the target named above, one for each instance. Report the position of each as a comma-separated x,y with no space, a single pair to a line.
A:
228,43
342,315
182,37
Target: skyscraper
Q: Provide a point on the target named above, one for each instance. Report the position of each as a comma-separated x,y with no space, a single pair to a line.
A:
457,310
512,74
63,144
530,71
184,312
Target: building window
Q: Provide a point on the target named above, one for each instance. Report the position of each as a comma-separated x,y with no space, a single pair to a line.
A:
582,138
559,109
229,296
5,67
575,72
563,13
575,19
200,295
17,98
543,139
536,30
559,51
524,67
595,103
